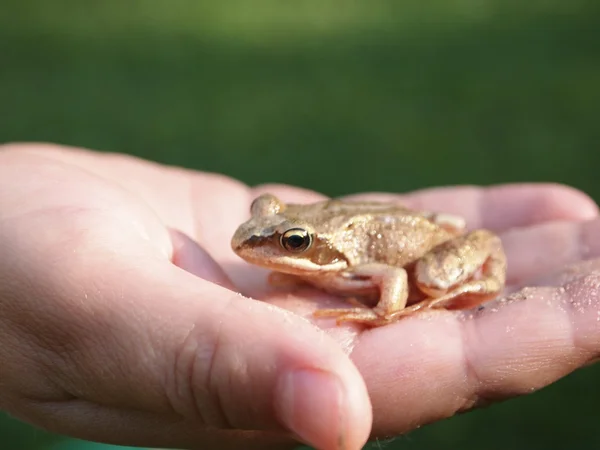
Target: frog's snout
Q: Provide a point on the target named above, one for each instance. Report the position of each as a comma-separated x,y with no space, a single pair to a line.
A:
244,238
237,240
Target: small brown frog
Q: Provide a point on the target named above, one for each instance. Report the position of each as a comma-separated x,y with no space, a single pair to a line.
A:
407,260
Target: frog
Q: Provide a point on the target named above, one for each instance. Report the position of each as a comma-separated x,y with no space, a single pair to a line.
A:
388,260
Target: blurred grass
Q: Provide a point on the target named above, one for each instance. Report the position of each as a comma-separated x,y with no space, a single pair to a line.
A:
334,96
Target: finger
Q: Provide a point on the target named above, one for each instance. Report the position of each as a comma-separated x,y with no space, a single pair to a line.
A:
548,247
566,275
287,193
497,207
500,207
447,364
188,255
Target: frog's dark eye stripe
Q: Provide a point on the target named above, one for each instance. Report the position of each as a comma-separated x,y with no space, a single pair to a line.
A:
296,240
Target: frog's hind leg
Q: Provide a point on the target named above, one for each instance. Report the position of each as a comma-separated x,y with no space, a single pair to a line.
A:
448,273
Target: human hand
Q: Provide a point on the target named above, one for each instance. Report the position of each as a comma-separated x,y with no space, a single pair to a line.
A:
106,337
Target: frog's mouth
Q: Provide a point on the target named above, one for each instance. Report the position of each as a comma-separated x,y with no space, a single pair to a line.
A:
264,252
294,265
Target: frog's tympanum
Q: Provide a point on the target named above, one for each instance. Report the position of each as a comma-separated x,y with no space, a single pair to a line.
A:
405,260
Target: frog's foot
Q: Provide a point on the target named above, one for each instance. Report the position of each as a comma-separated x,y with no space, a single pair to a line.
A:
451,223
365,316
466,296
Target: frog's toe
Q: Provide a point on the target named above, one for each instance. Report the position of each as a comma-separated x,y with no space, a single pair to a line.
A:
339,312
364,316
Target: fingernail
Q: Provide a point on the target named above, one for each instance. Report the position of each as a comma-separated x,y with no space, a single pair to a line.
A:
310,403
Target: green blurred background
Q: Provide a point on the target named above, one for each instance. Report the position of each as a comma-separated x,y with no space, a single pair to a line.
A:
337,96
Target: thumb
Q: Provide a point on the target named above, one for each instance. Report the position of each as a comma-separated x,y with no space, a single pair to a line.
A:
149,354
249,365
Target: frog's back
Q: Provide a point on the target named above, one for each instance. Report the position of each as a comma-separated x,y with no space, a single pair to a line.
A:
331,214
372,231
384,233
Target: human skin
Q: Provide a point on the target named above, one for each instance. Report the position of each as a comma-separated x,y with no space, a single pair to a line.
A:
122,319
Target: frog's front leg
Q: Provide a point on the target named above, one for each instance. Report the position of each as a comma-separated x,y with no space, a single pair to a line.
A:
392,283
460,273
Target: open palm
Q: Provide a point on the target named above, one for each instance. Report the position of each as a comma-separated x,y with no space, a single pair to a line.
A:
131,349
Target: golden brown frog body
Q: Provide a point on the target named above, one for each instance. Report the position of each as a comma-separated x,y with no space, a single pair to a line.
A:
373,250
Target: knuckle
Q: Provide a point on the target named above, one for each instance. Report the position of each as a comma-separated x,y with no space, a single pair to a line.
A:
194,386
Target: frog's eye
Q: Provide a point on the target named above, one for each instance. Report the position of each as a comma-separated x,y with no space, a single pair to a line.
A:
296,240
